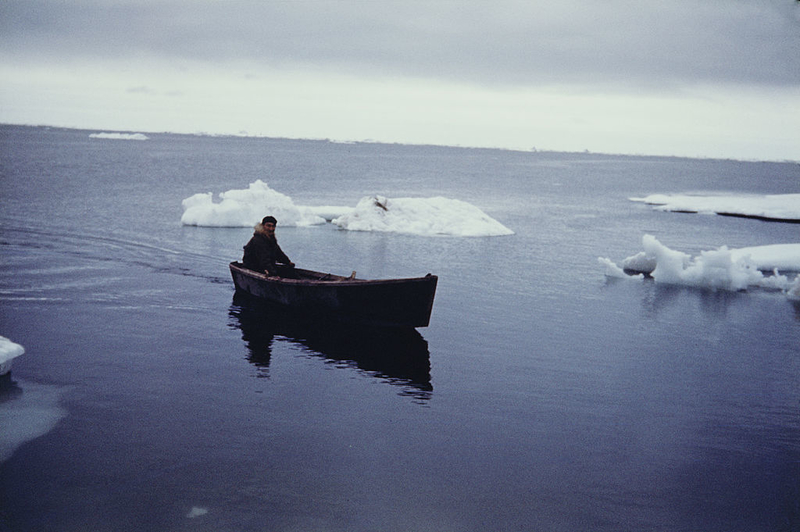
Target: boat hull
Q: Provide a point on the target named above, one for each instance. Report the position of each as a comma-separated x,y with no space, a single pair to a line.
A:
389,302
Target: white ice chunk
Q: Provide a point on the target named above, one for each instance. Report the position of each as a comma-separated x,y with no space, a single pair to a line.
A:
720,269
421,216
196,511
612,270
245,208
794,290
8,352
775,206
329,212
414,216
119,136
783,257
641,262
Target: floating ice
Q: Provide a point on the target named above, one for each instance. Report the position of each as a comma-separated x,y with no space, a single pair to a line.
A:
784,257
417,216
612,270
770,207
245,208
794,290
119,136
8,352
329,212
722,269
421,216
196,511
641,262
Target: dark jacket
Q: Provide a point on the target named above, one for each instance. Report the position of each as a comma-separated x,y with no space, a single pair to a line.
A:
262,253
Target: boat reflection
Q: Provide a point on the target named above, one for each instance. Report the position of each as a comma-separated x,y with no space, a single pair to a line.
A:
399,357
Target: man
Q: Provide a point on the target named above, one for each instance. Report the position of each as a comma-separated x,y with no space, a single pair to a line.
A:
263,254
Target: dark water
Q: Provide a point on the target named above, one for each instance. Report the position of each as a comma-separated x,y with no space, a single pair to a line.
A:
542,397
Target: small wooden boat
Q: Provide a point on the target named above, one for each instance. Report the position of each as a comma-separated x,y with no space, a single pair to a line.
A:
388,302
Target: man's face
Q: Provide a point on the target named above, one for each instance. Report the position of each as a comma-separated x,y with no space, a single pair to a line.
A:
269,227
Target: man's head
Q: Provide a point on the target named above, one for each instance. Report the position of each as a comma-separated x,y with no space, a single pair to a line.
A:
269,223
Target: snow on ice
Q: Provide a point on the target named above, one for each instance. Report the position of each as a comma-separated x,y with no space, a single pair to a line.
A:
245,208
723,268
720,269
119,136
771,207
415,216
421,216
8,352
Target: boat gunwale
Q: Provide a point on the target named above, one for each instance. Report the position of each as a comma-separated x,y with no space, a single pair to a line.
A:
336,280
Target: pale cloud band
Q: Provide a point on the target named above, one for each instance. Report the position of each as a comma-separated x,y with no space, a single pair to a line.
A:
699,78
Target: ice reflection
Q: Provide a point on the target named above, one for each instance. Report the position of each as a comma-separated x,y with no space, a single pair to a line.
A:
399,357
658,298
714,303
27,411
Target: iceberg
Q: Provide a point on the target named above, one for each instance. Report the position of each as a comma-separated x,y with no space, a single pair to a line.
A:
720,269
779,207
245,208
421,216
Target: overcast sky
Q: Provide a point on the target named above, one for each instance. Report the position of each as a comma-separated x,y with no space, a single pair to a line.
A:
710,78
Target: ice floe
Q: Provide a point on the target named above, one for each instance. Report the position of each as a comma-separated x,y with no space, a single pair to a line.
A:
196,511
421,216
244,208
119,136
780,207
8,352
413,216
719,269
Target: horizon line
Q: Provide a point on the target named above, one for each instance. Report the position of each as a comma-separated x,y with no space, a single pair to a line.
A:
531,150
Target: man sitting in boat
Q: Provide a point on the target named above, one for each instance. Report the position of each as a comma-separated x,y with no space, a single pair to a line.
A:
263,254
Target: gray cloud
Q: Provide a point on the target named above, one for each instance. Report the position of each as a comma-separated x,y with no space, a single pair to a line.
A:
611,42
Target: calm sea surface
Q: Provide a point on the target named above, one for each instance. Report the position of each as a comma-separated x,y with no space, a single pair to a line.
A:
542,396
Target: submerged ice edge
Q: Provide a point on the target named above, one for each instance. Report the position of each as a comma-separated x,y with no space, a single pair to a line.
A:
435,216
27,411
720,269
